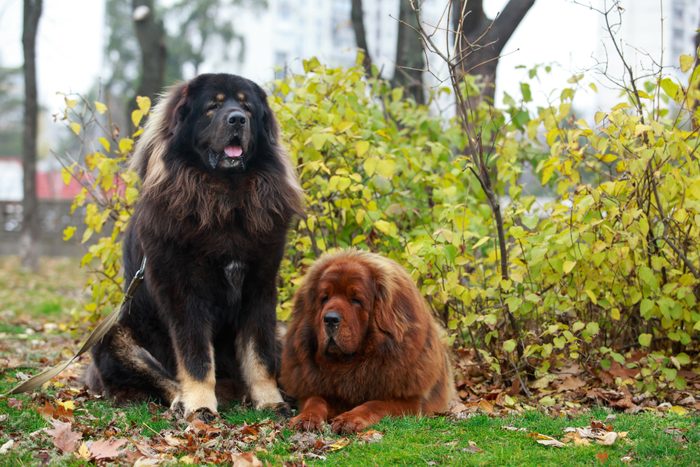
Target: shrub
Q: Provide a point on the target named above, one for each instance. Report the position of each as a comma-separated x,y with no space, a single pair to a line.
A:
605,272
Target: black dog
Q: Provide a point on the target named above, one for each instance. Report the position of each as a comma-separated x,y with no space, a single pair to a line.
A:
217,197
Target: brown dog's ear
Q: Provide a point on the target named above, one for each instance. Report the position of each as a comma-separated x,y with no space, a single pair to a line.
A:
394,307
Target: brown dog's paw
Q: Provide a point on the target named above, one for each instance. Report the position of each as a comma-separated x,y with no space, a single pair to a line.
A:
306,421
349,422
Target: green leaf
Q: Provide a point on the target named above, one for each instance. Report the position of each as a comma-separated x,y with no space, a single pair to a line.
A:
648,277
509,345
670,87
361,147
644,340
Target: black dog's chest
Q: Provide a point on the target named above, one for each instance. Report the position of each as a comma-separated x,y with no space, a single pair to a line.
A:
235,272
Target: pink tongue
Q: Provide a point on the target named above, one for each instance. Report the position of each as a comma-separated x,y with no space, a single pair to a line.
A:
233,151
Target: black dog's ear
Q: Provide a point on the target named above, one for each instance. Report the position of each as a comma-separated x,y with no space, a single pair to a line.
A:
268,119
178,107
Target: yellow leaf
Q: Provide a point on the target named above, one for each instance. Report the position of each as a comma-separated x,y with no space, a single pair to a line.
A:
370,165
615,314
100,107
66,175
75,126
104,142
686,62
592,296
339,444
568,266
136,117
678,410
68,233
386,168
125,145
68,405
361,147
70,103
481,242
385,227
83,451
144,104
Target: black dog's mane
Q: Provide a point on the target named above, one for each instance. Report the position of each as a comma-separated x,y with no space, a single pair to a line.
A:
265,192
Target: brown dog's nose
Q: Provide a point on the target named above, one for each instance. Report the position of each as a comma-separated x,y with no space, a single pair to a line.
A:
331,319
236,118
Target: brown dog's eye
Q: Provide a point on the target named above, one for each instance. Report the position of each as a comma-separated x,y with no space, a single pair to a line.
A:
355,301
324,299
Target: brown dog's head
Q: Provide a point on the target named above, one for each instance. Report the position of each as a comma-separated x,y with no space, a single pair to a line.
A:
355,300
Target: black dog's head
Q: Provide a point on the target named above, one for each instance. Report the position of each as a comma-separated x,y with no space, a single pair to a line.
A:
224,121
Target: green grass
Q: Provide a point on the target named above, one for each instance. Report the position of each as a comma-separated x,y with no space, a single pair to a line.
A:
28,301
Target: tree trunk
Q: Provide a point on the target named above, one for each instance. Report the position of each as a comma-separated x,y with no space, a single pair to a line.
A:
410,58
358,26
481,40
29,247
151,36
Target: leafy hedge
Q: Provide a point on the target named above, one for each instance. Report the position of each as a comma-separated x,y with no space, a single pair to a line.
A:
605,272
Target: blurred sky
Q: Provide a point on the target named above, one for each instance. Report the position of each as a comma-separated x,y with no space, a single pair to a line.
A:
71,40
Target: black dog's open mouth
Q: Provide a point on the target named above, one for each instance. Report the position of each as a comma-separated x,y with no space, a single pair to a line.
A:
233,156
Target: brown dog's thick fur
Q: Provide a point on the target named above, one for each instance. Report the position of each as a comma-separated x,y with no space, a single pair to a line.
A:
362,345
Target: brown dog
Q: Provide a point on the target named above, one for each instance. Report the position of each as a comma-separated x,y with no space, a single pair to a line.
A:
362,345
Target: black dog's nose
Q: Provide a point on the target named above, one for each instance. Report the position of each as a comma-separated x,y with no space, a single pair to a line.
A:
236,118
331,319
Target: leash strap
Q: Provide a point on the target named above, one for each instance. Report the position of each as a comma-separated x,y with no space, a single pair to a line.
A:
95,336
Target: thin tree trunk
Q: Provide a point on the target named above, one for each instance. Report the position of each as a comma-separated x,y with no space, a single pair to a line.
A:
481,40
29,247
151,36
358,26
410,58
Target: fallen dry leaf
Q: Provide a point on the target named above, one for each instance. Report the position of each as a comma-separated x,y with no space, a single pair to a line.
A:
602,457
7,446
83,451
64,438
370,436
513,428
547,440
245,459
106,448
678,434
608,439
339,444
571,383
472,448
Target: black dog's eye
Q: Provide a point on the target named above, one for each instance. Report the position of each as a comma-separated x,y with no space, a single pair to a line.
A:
213,106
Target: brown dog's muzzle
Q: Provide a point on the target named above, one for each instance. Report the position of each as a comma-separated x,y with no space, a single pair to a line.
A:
332,321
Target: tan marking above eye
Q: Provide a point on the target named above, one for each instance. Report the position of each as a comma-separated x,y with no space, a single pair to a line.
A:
220,97
241,96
